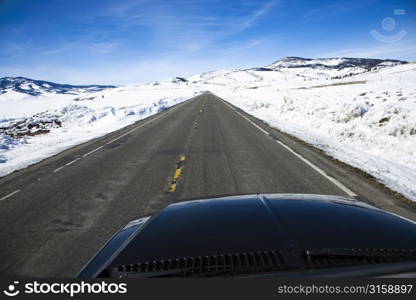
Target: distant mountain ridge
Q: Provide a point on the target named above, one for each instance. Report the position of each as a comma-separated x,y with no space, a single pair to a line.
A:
306,68
37,87
332,63
293,71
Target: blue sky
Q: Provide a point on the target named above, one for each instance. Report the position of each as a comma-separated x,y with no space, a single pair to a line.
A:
133,41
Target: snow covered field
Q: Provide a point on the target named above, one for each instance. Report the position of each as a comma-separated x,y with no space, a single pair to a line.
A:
360,112
69,120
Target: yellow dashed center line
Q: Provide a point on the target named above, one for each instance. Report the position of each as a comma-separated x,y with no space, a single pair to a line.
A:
177,173
172,187
179,167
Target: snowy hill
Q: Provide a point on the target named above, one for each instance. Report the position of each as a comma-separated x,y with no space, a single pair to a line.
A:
294,72
38,87
331,63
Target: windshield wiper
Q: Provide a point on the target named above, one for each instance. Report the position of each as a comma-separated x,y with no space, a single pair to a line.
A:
264,262
387,254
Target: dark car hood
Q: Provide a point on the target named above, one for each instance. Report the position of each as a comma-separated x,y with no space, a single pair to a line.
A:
253,223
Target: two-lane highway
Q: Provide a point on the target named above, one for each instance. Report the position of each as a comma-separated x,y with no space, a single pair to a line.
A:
56,214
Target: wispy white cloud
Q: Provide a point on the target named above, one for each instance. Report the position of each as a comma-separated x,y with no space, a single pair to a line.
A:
334,9
64,47
396,50
80,46
102,48
12,48
257,14
192,32
239,47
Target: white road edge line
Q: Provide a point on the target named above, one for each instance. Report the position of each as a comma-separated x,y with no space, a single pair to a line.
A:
9,195
58,169
73,161
316,168
320,171
254,124
67,164
92,151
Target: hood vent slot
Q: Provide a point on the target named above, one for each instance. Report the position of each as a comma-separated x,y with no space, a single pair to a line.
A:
246,262
327,258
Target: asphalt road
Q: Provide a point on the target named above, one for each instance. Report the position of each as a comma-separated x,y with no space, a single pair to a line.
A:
56,214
